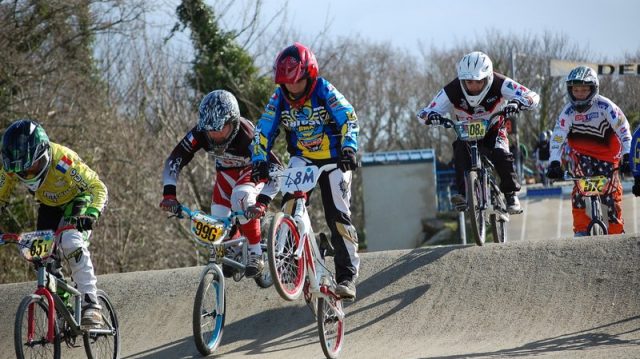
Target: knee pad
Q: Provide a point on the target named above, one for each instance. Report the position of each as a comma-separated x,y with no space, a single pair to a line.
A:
73,244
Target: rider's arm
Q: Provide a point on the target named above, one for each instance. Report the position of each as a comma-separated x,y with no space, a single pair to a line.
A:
181,155
440,104
342,112
88,181
618,122
267,128
560,131
511,90
634,153
7,184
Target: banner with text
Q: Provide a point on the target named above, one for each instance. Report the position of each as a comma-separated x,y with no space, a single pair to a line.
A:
562,68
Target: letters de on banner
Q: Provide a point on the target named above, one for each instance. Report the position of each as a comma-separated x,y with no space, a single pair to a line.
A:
562,68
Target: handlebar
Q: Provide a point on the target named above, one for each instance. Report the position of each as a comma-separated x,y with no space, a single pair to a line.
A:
449,123
568,176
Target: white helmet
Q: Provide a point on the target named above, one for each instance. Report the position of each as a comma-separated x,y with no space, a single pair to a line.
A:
475,66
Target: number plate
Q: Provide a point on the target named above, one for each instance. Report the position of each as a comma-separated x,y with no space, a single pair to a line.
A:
472,131
592,185
206,229
36,245
299,179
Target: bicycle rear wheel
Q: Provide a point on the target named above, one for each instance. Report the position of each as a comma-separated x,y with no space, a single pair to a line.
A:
477,216
330,327
37,346
288,273
209,309
100,345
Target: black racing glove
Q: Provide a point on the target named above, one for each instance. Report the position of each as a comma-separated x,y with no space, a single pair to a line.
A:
84,223
555,170
636,187
348,160
511,108
170,203
433,119
625,167
260,171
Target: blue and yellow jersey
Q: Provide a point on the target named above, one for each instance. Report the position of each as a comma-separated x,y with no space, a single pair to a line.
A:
67,177
634,153
318,130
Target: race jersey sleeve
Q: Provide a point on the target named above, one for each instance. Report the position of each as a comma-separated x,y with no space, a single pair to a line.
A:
511,90
181,155
560,132
7,184
440,105
342,112
620,125
267,128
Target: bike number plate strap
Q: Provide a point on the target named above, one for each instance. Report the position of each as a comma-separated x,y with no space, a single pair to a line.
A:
206,229
472,131
36,245
299,179
592,185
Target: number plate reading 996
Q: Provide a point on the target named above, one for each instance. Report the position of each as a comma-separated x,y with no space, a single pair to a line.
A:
206,231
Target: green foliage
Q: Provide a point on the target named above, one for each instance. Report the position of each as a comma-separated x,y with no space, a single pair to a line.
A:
220,63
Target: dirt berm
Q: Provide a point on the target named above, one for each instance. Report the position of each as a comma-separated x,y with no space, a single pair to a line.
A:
553,299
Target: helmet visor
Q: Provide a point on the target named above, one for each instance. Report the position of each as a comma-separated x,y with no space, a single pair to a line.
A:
36,169
222,136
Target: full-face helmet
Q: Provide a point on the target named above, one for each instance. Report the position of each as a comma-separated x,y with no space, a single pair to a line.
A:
475,66
583,75
218,108
295,63
26,152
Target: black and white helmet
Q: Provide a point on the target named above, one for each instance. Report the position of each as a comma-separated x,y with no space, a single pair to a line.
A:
475,66
218,108
583,75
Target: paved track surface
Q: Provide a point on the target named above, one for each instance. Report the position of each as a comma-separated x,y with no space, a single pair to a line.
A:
558,298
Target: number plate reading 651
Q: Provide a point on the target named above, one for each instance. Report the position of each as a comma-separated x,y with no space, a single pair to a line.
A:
299,179
206,231
36,245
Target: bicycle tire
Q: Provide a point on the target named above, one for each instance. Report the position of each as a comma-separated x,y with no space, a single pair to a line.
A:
98,345
330,328
207,305
477,216
498,229
41,320
264,280
597,228
288,273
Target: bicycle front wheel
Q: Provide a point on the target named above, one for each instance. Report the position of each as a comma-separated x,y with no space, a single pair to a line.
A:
33,312
209,309
330,327
264,280
104,342
288,273
477,215
499,229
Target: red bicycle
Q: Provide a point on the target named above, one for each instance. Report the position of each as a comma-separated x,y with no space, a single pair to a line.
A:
52,314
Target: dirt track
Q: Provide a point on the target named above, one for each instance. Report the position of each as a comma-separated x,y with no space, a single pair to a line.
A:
552,299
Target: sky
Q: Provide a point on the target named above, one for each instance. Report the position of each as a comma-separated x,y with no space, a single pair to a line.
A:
606,28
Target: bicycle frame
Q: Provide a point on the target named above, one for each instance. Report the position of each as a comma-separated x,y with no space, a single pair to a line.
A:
594,194
321,279
47,284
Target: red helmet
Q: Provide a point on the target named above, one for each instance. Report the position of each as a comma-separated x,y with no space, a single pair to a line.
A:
294,63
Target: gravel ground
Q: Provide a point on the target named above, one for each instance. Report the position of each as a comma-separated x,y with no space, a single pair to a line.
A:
544,299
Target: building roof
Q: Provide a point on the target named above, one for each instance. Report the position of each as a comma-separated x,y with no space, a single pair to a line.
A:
398,157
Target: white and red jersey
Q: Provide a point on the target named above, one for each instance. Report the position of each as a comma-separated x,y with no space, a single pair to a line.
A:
451,100
602,131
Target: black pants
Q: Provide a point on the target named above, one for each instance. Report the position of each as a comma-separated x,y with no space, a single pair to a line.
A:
501,159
